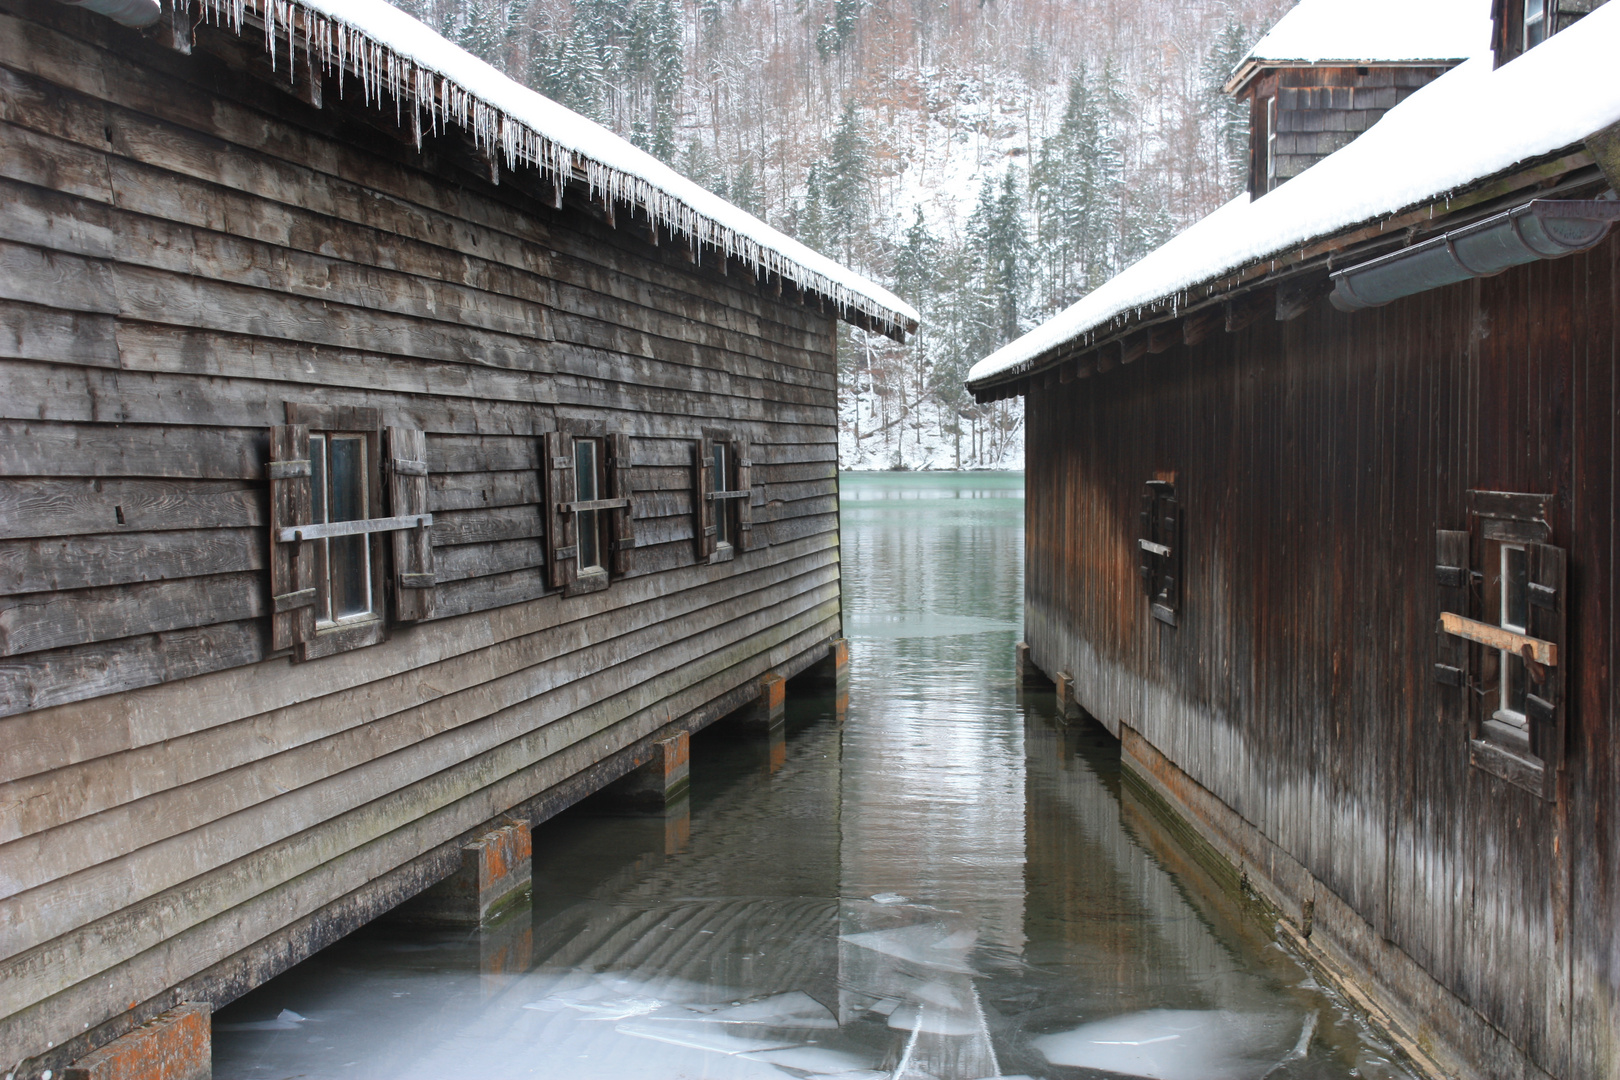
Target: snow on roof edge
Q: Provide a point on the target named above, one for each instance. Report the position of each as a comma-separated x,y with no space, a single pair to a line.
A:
394,53
1470,124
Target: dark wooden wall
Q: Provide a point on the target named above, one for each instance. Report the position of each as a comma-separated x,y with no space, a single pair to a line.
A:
182,250
1315,460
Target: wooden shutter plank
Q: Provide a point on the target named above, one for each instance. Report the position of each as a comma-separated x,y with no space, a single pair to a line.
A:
1452,578
621,520
741,450
1146,565
1548,709
702,506
557,463
414,580
293,590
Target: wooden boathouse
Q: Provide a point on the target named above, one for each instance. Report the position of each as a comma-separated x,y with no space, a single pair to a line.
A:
386,455
1321,523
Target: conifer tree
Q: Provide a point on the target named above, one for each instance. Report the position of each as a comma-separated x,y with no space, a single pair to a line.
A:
1229,115
845,184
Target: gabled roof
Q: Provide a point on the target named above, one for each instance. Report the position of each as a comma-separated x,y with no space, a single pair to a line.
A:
1371,33
1468,126
395,54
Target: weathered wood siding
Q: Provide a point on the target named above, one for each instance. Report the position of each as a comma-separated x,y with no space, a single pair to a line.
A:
182,250
1315,460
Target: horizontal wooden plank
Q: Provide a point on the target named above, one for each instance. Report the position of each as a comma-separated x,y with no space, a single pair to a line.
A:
43,679
56,449
42,506
367,845
546,695
487,525
1496,637
585,663
459,562
82,562
42,742
469,491
34,622
28,331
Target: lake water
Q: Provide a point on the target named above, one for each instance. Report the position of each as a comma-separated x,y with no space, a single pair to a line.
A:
936,878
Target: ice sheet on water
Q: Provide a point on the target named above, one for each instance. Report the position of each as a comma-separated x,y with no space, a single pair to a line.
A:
931,944
286,1020
1176,1044
794,1009
936,1020
698,1034
820,1061
889,898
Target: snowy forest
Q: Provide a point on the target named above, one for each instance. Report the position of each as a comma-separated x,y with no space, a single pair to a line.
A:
989,160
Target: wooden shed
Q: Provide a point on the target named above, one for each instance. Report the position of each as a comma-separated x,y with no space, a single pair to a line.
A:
1321,523
385,451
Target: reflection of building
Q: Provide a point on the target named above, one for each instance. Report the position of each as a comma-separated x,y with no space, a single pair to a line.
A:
1322,521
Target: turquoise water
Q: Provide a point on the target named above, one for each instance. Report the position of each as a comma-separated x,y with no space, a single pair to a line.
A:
934,878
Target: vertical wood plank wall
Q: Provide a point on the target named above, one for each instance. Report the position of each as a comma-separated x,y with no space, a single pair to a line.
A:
182,250
1315,460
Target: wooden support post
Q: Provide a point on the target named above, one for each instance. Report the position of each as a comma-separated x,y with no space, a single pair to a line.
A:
1240,313
1195,328
1107,359
1162,337
1067,708
664,778
176,1045
1025,671
1296,298
492,877
828,672
1132,349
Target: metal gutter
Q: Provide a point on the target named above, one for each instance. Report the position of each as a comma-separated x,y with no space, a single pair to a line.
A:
1539,229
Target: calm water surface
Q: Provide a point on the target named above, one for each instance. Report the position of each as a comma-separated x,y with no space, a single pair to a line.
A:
936,879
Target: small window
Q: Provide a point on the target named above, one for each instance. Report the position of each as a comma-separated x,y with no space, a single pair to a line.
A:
589,514
1271,143
1514,614
723,530
340,488
1535,23
588,488
1159,550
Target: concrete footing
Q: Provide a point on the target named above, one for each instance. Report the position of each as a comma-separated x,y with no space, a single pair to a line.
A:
1025,673
831,670
661,780
176,1045
493,874
1068,708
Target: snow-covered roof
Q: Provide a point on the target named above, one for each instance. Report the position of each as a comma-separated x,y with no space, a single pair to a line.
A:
1470,124
1378,31
392,52
1370,32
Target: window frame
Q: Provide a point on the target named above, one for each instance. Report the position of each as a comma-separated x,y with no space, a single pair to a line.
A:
372,626
613,528
1526,748
589,522
1160,546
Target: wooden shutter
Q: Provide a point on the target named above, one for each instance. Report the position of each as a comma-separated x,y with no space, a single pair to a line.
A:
1146,561
621,521
745,482
1451,582
414,580
558,483
1170,534
1546,706
292,566
702,506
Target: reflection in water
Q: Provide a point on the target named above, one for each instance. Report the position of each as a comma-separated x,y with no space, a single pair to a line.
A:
928,877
